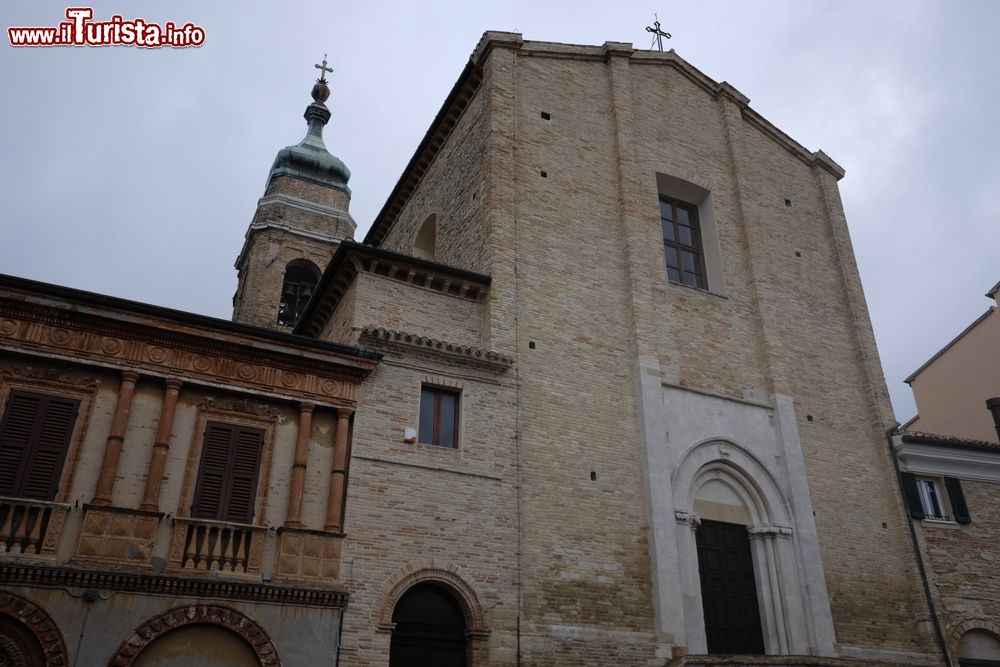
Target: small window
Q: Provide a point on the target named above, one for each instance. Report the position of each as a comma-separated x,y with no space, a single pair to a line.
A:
931,499
297,288
682,246
935,498
439,416
34,438
228,474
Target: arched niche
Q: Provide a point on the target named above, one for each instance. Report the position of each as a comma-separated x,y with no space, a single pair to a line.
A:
233,631
424,244
297,287
207,645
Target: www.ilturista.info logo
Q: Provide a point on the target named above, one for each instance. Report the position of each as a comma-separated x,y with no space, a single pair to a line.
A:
80,30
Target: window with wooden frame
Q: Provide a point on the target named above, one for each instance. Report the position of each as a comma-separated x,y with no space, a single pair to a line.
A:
227,476
35,434
682,244
439,416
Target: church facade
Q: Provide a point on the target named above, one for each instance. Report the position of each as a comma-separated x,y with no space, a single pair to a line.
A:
599,385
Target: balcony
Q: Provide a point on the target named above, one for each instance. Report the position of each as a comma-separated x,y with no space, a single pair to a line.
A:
31,527
214,546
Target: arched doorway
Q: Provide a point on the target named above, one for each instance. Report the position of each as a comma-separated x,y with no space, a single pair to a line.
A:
18,645
429,629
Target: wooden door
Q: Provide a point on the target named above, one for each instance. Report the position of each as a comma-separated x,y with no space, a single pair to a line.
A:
429,632
728,589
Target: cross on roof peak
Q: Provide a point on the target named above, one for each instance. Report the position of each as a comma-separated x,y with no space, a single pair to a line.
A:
658,34
323,69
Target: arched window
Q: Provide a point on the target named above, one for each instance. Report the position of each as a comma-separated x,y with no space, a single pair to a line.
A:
429,629
423,244
300,281
979,648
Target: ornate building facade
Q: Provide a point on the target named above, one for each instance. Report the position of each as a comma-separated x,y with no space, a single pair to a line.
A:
598,386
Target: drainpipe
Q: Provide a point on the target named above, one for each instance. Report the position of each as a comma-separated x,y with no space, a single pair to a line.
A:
340,636
938,633
993,405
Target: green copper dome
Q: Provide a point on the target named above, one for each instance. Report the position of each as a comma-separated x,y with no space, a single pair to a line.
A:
309,159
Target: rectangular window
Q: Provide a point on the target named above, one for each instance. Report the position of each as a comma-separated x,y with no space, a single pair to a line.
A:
682,244
228,474
438,416
931,501
34,438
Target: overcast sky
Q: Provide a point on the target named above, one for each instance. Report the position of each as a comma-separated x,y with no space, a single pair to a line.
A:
135,172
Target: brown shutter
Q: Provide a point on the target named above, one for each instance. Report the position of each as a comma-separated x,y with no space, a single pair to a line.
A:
34,438
212,484
243,474
227,478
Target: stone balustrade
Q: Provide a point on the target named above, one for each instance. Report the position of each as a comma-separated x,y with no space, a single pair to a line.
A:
30,527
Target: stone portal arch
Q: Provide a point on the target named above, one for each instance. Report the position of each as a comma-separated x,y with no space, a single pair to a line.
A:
181,617
721,477
30,623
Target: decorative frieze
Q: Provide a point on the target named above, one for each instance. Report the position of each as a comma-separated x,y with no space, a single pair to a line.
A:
164,352
769,531
12,574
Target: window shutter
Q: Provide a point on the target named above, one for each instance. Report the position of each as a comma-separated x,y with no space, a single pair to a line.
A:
34,439
912,495
213,482
51,444
957,497
227,478
244,469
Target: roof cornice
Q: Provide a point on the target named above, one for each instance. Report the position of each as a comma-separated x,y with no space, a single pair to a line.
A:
54,299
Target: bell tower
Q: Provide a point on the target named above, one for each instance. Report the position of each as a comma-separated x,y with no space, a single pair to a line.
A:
301,219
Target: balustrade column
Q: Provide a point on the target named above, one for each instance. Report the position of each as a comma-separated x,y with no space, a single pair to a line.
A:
293,518
338,474
157,463
116,439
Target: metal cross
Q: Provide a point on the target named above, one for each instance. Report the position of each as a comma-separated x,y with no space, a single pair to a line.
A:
324,69
658,34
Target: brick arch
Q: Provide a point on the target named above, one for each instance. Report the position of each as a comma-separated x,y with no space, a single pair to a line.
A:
448,578
179,617
40,624
973,624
